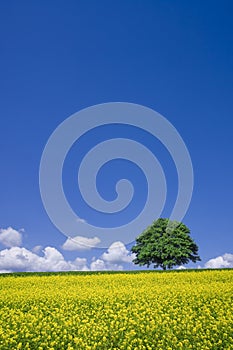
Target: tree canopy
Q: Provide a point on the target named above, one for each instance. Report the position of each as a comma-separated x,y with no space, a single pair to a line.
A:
165,244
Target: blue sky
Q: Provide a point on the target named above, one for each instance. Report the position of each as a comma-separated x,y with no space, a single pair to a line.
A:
60,57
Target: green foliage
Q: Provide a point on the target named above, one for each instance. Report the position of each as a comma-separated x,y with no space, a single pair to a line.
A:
165,244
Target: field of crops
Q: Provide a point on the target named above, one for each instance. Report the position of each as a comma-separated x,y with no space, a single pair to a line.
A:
167,311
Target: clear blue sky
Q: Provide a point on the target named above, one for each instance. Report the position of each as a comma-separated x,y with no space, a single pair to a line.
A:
175,57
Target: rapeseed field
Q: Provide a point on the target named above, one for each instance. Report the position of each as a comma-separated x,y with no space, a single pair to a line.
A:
176,310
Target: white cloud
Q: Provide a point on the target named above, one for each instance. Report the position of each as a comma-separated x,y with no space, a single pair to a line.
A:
10,237
17,258
98,265
181,267
101,265
80,243
22,259
117,253
80,264
37,249
113,258
225,260
5,271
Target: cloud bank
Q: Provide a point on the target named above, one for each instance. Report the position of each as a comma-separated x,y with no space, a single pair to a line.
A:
17,258
22,259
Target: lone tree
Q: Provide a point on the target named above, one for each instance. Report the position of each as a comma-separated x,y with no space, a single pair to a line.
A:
165,244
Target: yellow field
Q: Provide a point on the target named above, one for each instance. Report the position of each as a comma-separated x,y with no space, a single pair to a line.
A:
169,311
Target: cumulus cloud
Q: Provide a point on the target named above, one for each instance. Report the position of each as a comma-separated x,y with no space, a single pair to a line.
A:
98,265
101,265
22,259
225,260
17,258
10,237
117,253
113,258
80,243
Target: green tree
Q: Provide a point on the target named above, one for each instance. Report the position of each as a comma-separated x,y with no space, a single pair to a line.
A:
165,244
